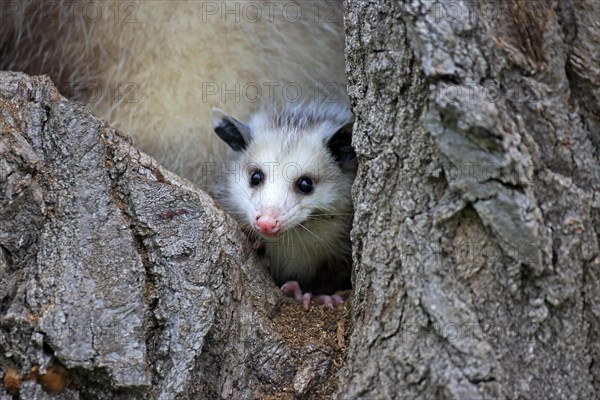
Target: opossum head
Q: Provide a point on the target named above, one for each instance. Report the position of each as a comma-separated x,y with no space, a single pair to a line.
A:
294,168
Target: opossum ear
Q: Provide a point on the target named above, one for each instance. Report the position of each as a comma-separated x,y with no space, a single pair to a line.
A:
233,132
340,144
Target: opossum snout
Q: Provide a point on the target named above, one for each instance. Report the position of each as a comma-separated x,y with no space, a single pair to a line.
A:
267,225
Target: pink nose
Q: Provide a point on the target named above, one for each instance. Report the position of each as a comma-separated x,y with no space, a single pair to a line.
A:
267,225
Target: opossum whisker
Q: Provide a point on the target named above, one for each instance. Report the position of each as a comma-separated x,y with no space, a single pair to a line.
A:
310,266
340,226
318,237
332,214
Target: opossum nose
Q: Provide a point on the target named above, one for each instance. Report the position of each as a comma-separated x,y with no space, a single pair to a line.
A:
267,225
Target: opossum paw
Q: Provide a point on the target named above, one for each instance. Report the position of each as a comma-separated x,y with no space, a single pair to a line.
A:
292,289
329,301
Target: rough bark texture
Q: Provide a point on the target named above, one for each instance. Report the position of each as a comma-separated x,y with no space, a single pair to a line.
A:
121,280
477,200
475,240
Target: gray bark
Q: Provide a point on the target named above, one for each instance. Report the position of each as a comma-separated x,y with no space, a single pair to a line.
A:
477,200
128,276
476,260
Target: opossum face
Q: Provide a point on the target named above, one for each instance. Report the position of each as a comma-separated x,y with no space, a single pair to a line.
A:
288,176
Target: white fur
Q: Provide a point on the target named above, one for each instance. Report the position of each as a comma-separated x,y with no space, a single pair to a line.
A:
285,151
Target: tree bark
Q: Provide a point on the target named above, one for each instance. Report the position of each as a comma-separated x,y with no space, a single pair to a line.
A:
476,259
477,200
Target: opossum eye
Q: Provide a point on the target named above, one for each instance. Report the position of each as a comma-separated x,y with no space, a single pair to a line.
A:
305,185
256,178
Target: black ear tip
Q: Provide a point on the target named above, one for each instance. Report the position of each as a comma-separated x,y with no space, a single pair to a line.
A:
231,131
340,144
221,131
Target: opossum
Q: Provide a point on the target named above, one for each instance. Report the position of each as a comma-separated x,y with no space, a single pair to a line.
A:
156,69
290,185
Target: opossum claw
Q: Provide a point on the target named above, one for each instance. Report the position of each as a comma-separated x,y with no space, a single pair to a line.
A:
329,301
306,300
293,289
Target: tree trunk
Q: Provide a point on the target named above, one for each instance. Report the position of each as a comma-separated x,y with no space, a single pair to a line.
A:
475,243
477,200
